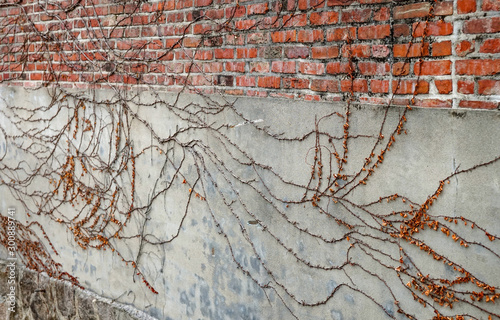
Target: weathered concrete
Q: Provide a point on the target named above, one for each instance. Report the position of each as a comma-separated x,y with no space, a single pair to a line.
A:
196,276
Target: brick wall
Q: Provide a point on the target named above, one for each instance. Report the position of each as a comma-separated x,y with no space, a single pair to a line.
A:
442,54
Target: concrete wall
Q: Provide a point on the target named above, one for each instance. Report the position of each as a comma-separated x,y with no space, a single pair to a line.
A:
254,245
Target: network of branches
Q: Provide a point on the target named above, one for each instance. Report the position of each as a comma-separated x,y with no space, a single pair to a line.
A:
77,161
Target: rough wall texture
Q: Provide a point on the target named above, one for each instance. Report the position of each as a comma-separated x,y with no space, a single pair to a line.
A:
296,49
39,297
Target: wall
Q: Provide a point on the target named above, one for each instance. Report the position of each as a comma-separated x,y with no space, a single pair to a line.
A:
227,221
304,50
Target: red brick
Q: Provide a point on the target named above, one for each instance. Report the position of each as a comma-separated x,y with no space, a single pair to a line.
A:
463,48
321,18
325,52
295,83
478,104
373,68
416,50
297,52
283,66
235,12
309,36
269,82
414,10
466,6
325,85
311,68
432,68
489,87
374,32
438,28
245,24
224,53
256,93
380,51
284,36
379,86
341,34
260,8
191,42
359,15
433,103
213,67
383,14
476,26
337,68
401,30
490,46
202,3
358,85
245,81
478,67
408,87
465,87
332,3
235,66
443,8
259,67
359,50
443,86
491,5
246,53
257,38
401,68
298,20
441,48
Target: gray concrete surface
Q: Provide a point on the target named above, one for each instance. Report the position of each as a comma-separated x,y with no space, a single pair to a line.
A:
196,276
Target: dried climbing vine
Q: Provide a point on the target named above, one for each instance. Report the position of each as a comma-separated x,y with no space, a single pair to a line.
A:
81,160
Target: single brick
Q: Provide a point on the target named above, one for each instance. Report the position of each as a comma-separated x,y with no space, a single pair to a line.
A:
407,51
259,67
245,24
401,30
295,83
297,52
260,8
283,66
374,32
490,46
225,81
202,3
401,68
224,53
443,8
478,67
463,48
298,20
465,87
284,36
311,68
269,82
383,14
380,51
358,85
257,38
466,6
337,67
325,52
441,48
443,86
246,53
478,104
341,34
325,85
410,87
245,81
373,68
359,50
487,25
438,28
359,15
322,18
433,103
432,68
379,86
414,10
332,3
235,66
309,36
489,87
491,5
